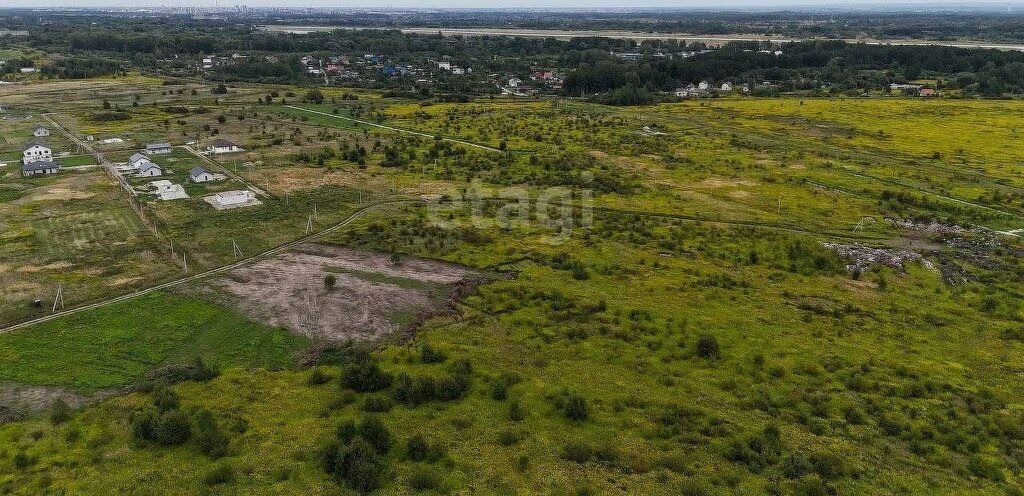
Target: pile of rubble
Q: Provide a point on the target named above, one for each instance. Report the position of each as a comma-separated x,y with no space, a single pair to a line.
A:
866,256
927,227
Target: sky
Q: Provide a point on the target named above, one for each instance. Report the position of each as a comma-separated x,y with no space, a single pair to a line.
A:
522,4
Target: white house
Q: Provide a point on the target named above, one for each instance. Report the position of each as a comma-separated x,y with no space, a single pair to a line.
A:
514,82
137,160
727,86
40,167
703,86
201,175
40,132
159,148
35,151
149,169
224,146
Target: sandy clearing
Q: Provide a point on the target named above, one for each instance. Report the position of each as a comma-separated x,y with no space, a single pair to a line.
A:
372,297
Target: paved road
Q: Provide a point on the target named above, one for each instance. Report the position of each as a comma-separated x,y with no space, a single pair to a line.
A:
396,129
159,287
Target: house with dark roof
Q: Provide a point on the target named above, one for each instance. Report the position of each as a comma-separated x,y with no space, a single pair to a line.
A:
149,169
224,146
159,148
138,159
40,167
200,175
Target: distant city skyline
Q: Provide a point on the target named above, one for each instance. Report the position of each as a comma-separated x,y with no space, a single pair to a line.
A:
993,5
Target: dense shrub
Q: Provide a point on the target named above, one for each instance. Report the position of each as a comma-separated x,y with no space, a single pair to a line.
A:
172,428
500,386
413,391
416,448
707,346
757,452
356,456
210,438
365,377
355,463
516,413
575,407
430,355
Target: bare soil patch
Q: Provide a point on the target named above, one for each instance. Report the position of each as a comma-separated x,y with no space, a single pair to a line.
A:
372,297
19,400
721,182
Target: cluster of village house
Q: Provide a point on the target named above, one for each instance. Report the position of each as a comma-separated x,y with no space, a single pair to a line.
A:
141,165
37,159
369,66
914,89
705,88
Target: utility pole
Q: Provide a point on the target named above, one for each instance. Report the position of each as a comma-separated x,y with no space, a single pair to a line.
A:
58,299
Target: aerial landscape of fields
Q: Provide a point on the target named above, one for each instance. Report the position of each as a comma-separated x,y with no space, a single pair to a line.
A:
368,257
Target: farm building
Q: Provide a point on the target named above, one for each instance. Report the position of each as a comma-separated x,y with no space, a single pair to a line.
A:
168,190
40,167
232,199
159,148
40,132
201,175
224,146
149,169
35,151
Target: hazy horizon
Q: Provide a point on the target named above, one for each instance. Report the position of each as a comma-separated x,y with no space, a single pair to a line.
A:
522,5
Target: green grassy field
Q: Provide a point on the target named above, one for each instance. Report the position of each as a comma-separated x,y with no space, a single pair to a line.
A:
73,229
694,337
118,344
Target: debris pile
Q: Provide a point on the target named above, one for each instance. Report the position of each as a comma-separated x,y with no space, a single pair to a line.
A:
866,256
927,227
